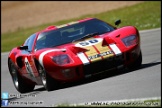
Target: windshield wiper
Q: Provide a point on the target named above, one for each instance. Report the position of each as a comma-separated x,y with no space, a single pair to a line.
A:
87,35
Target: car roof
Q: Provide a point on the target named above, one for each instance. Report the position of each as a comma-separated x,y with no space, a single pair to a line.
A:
52,27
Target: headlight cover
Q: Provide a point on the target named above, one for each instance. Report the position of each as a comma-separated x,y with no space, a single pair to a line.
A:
62,59
130,40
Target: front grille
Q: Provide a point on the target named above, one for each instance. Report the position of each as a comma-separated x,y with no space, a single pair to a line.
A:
103,65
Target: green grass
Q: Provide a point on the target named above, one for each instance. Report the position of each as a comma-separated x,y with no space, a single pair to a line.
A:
146,15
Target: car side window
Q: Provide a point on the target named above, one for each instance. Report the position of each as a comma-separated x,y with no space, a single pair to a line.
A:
30,42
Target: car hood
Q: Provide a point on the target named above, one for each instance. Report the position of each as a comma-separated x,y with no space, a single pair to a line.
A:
87,51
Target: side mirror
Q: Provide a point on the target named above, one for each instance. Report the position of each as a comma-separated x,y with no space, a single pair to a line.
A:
117,22
22,47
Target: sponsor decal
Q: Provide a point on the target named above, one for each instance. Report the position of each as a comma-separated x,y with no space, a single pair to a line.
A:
100,55
28,67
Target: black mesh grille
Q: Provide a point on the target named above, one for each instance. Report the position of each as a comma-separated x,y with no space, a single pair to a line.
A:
102,65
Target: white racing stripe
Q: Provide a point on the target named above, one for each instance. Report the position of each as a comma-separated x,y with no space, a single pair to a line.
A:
45,52
83,58
115,49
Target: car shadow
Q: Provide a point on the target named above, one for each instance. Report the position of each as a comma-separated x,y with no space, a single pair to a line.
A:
91,79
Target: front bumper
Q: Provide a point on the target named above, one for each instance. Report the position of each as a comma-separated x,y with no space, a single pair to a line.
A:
77,72
103,65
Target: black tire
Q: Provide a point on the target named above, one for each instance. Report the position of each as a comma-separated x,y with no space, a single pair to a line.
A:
137,63
18,81
48,82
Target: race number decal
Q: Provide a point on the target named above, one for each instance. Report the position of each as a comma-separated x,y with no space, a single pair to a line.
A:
28,67
89,42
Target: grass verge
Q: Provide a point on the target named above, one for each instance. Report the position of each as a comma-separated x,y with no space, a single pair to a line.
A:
146,15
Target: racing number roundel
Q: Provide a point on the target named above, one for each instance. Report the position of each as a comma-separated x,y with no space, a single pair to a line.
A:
89,42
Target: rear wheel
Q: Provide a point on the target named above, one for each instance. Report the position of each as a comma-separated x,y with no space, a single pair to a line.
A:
18,81
137,63
48,82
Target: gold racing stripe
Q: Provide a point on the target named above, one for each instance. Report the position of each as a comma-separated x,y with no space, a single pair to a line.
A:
92,52
95,49
104,50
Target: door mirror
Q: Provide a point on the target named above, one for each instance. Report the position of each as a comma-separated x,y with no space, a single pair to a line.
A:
23,47
117,22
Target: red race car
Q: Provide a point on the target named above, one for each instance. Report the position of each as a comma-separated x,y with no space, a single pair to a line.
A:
73,51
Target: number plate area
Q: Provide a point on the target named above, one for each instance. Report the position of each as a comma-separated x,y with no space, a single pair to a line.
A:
103,65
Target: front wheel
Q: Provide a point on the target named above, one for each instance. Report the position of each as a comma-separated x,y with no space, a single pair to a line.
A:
48,82
18,81
137,63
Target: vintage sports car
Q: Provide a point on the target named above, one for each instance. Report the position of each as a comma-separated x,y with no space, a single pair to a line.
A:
73,51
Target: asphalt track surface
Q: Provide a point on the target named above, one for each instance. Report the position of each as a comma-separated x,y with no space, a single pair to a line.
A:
142,83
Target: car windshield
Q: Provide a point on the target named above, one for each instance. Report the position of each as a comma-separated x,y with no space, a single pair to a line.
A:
71,33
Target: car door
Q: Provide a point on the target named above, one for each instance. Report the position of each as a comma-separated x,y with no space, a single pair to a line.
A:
29,62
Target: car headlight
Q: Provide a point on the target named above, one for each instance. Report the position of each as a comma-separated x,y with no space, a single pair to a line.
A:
62,59
130,40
